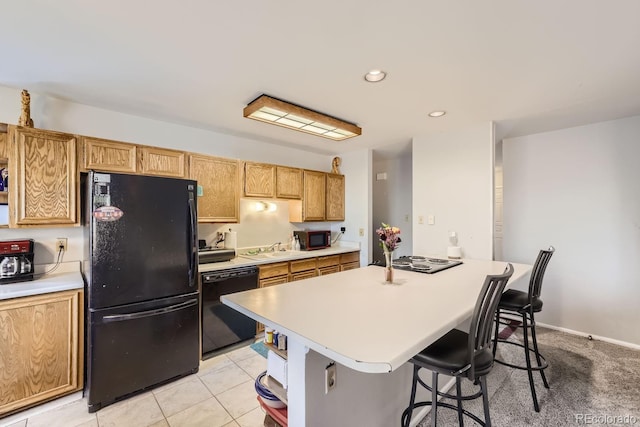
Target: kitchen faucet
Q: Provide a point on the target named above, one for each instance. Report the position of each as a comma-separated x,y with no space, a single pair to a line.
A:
271,248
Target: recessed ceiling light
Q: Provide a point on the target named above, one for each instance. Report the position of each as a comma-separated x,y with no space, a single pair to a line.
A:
374,76
437,113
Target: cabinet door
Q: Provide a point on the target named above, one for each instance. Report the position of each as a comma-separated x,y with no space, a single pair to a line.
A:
3,160
303,275
110,156
314,196
43,187
161,162
3,141
328,270
335,197
259,180
278,280
288,183
39,349
218,179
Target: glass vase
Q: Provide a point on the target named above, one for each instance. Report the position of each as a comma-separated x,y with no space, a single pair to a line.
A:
388,268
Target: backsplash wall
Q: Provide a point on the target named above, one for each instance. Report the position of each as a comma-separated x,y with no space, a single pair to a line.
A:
262,228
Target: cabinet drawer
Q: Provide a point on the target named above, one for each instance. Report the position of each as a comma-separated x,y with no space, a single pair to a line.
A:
328,261
275,269
303,265
350,266
303,275
278,280
328,270
349,257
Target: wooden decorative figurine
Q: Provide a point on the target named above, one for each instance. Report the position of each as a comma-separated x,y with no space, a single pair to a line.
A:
25,116
335,165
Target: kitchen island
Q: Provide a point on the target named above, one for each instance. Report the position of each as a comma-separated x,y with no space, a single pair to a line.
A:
369,328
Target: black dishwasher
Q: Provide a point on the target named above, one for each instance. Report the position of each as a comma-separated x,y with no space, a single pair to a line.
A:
221,325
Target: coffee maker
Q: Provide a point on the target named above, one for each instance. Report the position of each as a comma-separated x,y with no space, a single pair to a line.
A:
16,261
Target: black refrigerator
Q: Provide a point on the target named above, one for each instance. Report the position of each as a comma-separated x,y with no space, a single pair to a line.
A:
142,284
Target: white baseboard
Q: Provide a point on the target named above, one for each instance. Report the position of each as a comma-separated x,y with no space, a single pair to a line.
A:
11,419
595,337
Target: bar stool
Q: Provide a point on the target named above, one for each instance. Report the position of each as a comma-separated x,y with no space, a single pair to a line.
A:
461,355
524,305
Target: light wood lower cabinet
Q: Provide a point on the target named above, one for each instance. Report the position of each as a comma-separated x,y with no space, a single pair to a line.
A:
40,348
349,261
303,269
43,186
270,275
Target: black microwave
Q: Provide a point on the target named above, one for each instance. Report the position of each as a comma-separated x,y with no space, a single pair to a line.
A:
313,239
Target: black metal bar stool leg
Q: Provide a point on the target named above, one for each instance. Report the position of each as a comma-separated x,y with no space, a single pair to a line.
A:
496,332
434,399
528,359
412,401
535,349
459,394
485,401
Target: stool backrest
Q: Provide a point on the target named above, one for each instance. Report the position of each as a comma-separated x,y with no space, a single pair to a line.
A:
537,274
484,313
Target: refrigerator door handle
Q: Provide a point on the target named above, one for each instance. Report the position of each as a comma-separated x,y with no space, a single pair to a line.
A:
194,241
149,313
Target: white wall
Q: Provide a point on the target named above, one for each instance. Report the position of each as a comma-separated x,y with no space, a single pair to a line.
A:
64,116
392,201
453,181
577,189
356,166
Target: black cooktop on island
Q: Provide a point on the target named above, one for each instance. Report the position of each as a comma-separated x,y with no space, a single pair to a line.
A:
421,264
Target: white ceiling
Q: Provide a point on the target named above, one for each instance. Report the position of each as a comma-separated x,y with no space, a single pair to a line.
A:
530,66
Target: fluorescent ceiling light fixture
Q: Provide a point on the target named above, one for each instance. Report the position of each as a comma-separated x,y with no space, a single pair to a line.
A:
375,76
437,113
282,113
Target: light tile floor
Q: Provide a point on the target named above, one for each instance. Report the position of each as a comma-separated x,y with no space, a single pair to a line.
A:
221,394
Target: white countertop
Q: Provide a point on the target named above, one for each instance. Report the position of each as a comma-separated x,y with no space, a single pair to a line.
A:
356,319
268,258
66,276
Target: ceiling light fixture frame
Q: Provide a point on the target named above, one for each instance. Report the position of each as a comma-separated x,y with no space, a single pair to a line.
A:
275,111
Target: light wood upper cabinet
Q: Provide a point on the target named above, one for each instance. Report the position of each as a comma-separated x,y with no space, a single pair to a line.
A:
109,156
3,160
259,180
314,196
312,207
335,197
219,180
161,162
3,141
288,183
43,186
40,348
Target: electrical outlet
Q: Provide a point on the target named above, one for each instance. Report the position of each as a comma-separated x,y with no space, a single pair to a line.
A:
361,232
343,229
330,377
420,219
61,243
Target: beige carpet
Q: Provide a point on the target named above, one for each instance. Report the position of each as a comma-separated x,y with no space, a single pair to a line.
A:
587,379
